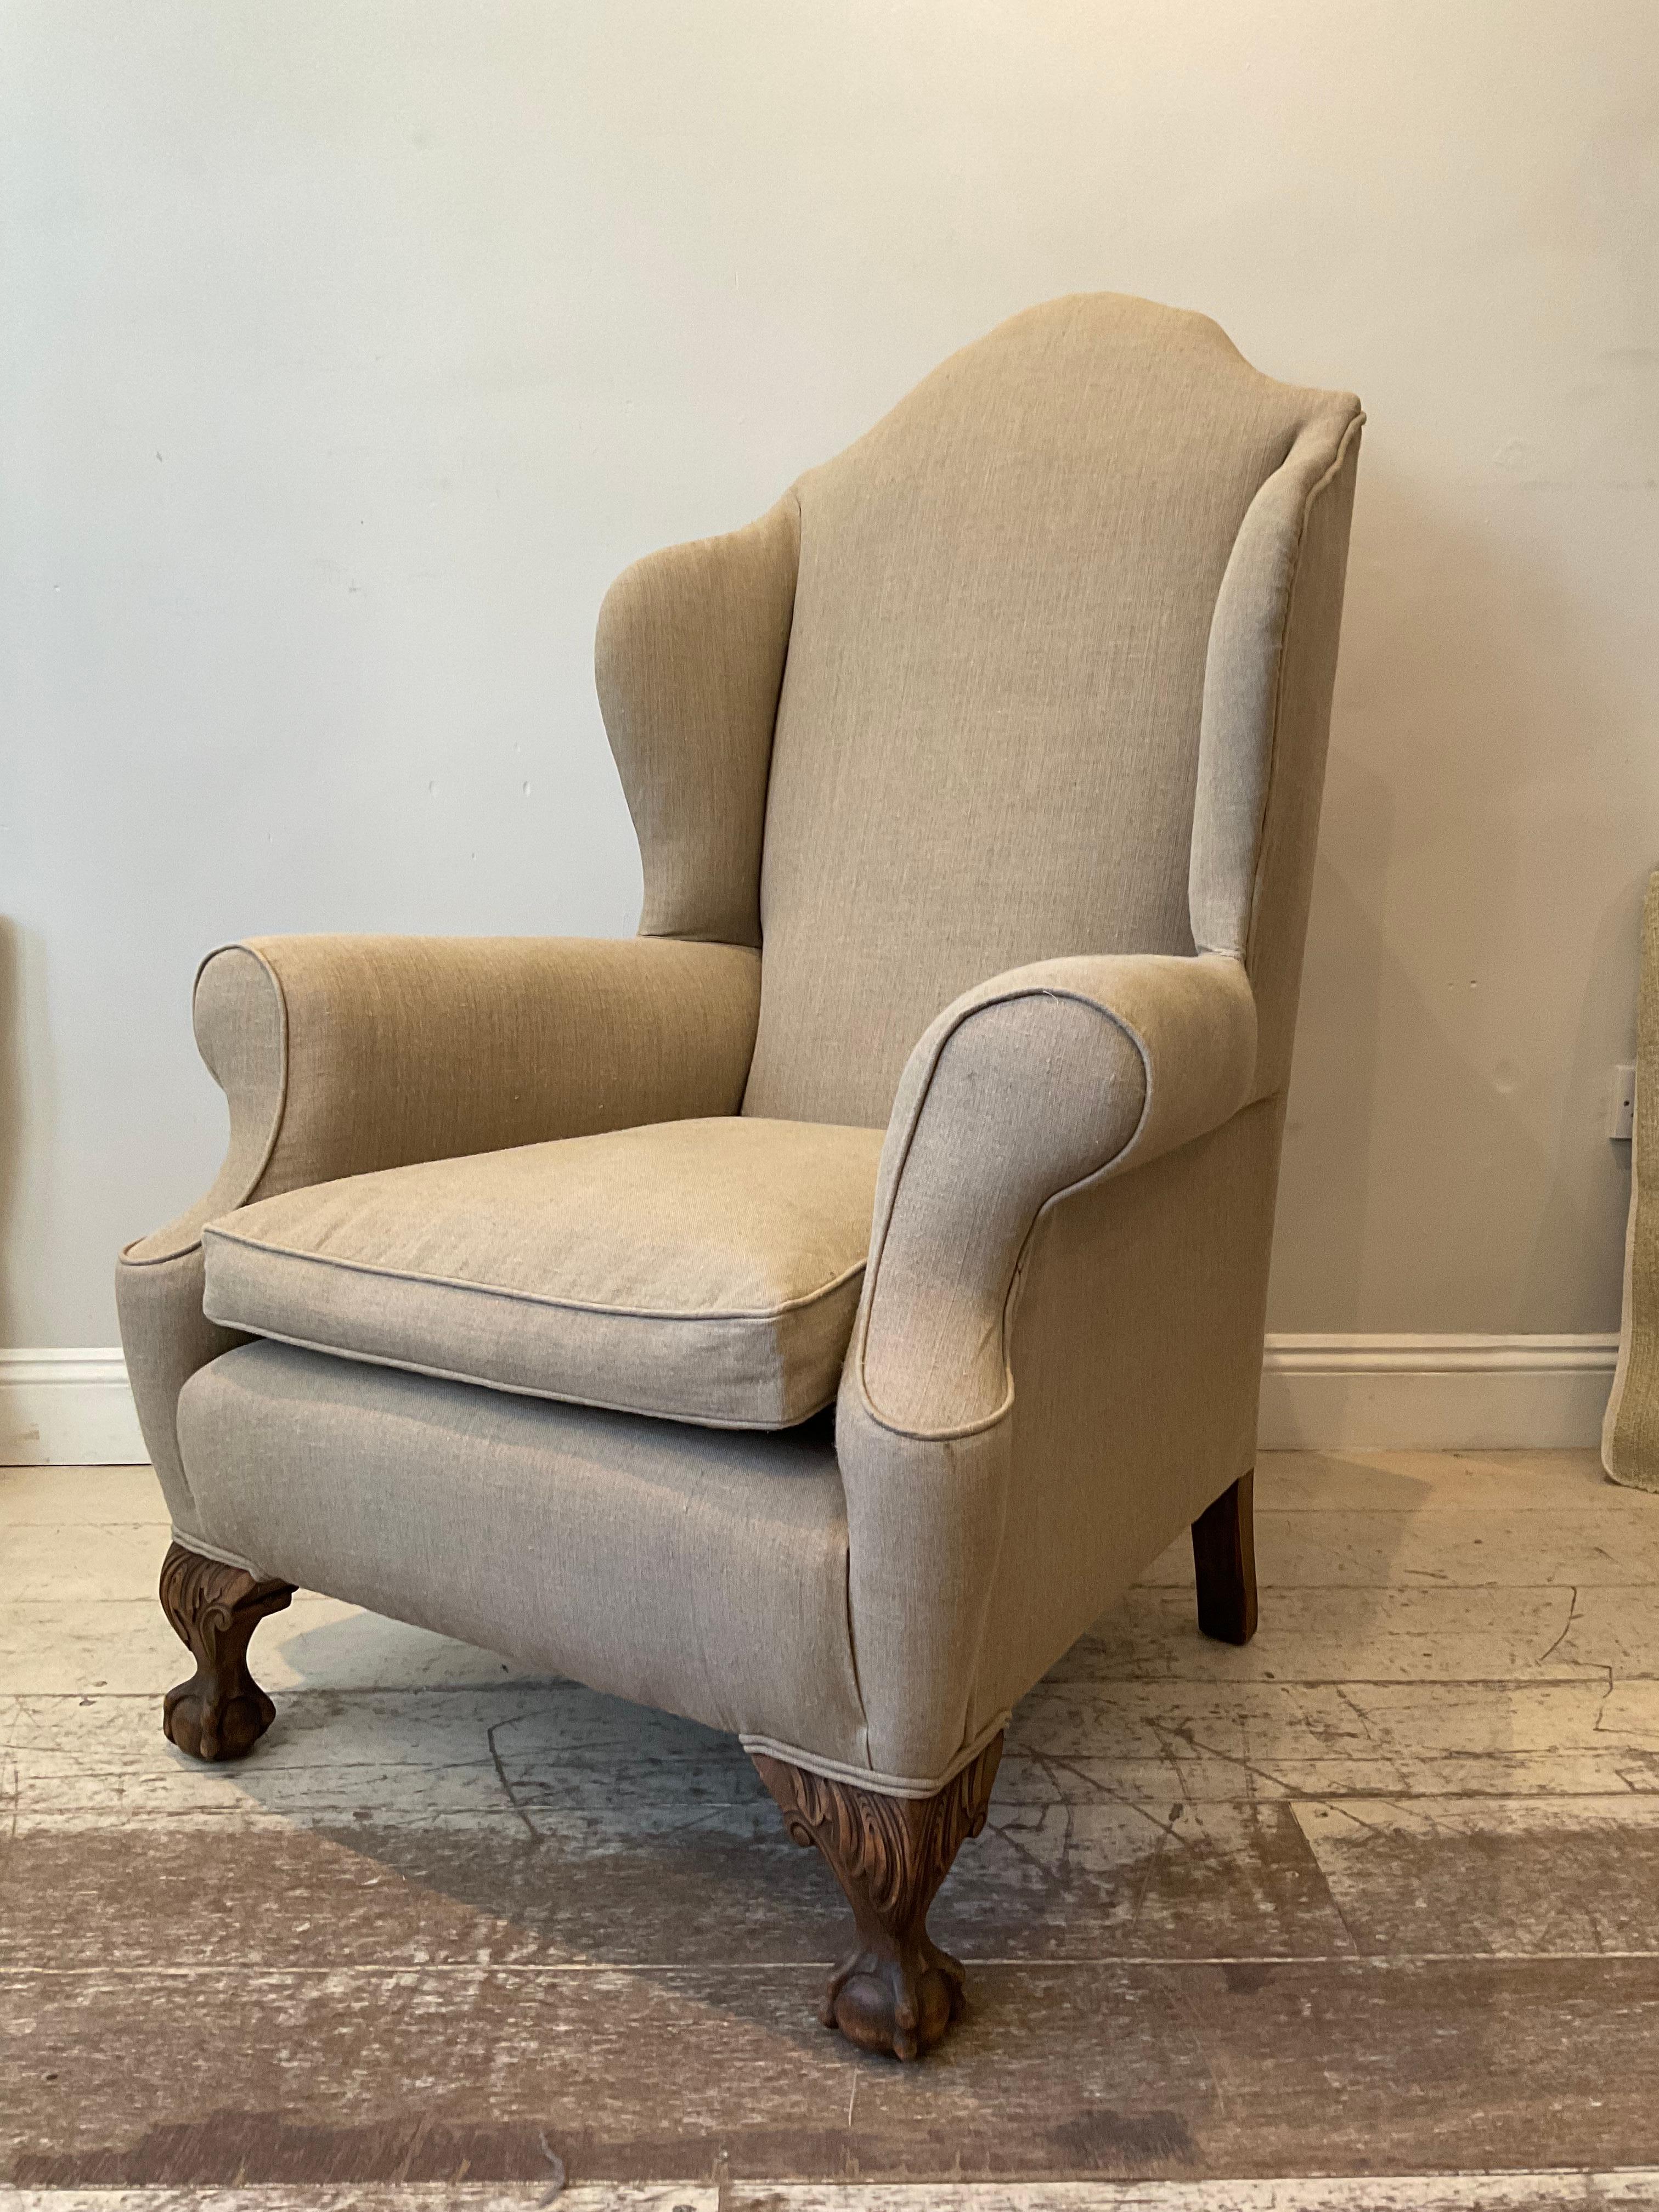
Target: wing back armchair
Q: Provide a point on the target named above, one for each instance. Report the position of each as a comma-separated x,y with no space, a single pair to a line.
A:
976,787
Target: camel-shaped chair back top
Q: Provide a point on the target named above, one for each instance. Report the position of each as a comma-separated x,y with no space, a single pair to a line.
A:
996,741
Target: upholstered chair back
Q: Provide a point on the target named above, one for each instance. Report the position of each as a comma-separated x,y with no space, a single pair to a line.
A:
987,745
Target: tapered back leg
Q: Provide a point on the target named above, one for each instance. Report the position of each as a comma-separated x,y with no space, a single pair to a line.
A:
1224,1554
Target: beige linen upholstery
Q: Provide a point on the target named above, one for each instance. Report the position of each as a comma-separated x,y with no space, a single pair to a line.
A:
711,1582
1134,1337
988,738
1630,1426
700,1270
1002,737
1269,673
340,1054
688,661
1024,1088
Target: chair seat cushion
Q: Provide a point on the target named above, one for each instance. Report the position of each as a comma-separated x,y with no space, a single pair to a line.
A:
701,1271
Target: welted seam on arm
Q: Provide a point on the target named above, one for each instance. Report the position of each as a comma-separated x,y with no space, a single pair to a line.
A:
1354,425
179,1251
879,1245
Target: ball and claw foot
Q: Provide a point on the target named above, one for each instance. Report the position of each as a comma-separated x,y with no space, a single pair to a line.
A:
896,1991
221,1712
897,2003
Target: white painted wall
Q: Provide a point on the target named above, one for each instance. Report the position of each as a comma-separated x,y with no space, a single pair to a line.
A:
350,349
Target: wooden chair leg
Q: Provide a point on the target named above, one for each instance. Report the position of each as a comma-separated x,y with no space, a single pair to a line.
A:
1224,1554
895,1990
221,1712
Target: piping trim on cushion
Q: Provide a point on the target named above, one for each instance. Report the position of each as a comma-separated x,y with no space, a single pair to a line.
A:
759,1314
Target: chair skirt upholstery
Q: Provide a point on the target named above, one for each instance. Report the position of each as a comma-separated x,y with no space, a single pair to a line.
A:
700,1571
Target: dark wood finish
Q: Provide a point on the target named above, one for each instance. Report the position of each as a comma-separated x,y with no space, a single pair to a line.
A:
1224,1554
895,1990
221,1712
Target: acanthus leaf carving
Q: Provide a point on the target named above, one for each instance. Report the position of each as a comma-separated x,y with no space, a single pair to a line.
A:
214,1608
896,1990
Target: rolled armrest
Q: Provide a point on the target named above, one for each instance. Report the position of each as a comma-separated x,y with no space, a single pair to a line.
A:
340,1054
1027,1087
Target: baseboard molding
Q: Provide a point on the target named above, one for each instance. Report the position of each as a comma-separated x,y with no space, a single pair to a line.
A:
73,1408
68,1408
1434,1392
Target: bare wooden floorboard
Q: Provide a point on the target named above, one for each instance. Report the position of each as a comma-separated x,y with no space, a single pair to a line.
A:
1419,1482
60,1497
726,1886
1612,1540
1463,1633
1559,2191
53,1649
541,1752
1162,2071
1375,1899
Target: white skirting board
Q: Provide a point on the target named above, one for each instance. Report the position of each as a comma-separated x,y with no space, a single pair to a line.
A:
1434,1392
73,1408
68,1408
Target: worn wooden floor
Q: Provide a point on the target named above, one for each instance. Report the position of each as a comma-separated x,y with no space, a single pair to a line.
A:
1375,1899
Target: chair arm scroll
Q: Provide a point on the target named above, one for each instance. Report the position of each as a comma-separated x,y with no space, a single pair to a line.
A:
338,1056
1026,1088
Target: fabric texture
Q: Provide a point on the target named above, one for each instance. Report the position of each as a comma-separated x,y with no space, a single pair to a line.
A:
688,661
988,739
700,1571
1244,660
338,1056
1024,1089
1136,1336
1134,1343
1630,1429
166,1337
701,1271
1272,871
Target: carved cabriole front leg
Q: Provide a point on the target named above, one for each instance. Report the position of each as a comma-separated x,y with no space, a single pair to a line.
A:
896,1990
221,1712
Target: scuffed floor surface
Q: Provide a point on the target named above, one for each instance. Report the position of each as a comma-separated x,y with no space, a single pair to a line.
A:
1375,1899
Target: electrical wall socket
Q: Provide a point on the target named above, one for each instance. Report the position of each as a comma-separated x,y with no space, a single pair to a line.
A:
1621,1114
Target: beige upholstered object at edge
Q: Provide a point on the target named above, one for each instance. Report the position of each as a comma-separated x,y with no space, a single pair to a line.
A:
1630,1428
977,787
699,1270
